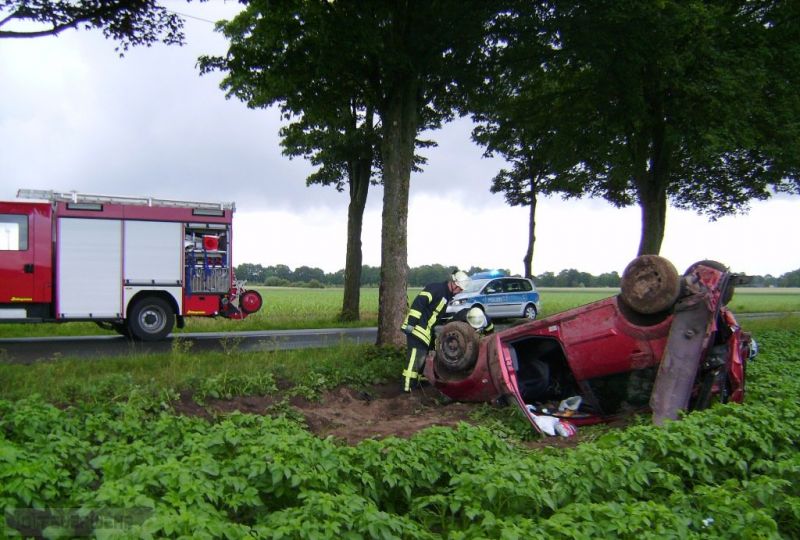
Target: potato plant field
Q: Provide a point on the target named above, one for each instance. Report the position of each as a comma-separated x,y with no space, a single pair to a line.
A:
133,468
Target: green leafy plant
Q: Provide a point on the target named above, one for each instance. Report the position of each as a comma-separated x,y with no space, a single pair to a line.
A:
730,471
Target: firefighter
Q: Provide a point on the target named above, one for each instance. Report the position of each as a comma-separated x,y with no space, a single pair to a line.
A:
426,311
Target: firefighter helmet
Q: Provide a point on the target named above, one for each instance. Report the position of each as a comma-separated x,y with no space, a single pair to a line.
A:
476,318
460,278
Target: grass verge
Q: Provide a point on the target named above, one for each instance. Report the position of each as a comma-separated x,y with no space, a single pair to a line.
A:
215,374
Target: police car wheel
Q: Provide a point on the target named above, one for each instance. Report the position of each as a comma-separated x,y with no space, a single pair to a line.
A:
530,312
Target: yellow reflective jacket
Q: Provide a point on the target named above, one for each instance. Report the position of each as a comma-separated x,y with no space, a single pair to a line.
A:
427,310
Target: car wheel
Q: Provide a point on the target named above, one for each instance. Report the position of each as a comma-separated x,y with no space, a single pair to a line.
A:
530,312
456,348
151,319
650,284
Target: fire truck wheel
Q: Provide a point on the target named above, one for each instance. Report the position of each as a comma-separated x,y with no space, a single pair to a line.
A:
650,284
151,319
456,348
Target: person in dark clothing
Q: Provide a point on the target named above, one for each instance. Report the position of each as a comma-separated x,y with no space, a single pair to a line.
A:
425,312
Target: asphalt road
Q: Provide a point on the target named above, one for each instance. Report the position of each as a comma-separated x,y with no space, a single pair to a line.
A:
29,350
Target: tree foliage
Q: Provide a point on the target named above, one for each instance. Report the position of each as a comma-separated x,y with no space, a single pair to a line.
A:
278,55
129,22
507,124
405,60
691,102
419,276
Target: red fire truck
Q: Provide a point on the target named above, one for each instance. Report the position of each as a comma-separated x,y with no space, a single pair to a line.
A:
134,264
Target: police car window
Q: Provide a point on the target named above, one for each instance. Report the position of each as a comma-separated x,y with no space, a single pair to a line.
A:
494,287
512,285
526,285
13,232
475,285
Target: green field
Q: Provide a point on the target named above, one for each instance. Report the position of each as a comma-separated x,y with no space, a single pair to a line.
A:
113,460
290,308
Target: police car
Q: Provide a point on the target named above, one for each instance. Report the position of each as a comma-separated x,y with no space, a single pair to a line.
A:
498,295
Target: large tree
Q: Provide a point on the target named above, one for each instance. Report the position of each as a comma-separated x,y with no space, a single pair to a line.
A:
693,102
529,144
344,145
529,177
508,124
129,22
405,58
268,63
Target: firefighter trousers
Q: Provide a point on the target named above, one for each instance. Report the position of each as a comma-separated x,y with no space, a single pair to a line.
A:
416,352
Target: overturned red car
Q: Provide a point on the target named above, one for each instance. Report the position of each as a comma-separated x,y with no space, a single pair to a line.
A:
666,342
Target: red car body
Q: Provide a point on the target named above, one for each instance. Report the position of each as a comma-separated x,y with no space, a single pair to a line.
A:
615,359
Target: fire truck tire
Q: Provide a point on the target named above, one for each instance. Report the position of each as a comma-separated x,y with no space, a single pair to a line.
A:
151,319
650,284
456,348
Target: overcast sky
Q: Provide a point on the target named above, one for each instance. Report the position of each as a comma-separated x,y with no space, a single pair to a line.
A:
75,116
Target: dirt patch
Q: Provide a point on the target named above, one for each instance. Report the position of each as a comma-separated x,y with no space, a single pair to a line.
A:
353,415
347,414
187,405
380,412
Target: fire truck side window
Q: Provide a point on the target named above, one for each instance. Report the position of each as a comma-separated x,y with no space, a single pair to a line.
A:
13,232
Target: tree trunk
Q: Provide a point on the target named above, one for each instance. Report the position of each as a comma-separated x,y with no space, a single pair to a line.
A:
399,120
528,259
654,215
651,185
359,187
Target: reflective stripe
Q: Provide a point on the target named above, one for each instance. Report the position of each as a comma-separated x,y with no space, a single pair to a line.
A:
420,333
434,317
429,295
414,313
409,372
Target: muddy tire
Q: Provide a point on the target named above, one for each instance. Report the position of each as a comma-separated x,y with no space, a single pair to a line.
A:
456,348
650,284
151,319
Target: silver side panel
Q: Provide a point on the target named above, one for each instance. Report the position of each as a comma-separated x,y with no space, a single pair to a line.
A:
13,313
89,268
153,253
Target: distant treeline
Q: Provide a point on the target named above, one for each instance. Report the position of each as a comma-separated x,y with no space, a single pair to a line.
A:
282,276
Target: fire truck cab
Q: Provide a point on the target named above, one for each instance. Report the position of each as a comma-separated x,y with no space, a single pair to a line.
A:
135,264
